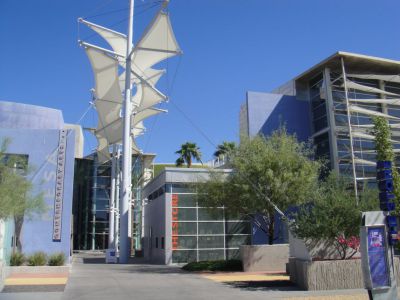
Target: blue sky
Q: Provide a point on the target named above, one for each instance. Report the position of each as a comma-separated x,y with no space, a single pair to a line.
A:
229,47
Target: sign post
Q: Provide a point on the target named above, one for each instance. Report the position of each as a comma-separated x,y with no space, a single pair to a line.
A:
377,236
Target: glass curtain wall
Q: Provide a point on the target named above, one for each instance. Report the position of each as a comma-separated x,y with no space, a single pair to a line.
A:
200,233
365,96
100,205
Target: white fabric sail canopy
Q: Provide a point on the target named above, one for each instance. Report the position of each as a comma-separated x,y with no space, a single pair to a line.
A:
107,92
115,39
157,44
113,132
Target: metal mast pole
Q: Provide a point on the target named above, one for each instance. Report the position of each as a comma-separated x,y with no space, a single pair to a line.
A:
111,229
117,197
127,149
350,133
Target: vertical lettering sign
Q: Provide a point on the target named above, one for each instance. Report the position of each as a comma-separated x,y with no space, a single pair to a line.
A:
59,194
175,224
377,257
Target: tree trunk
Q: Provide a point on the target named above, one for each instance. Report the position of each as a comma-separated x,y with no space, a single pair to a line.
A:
18,222
271,229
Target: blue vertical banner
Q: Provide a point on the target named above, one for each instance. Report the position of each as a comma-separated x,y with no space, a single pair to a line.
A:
379,269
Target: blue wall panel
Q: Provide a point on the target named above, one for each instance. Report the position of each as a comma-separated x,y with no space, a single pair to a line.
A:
267,112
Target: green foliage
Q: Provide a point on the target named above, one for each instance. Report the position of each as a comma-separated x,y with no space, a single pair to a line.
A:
384,151
187,152
225,149
383,145
17,259
334,217
56,259
37,259
216,265
278,168
16,197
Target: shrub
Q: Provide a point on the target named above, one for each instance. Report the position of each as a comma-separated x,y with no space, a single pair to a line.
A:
37,259
215,265
57,259
17,259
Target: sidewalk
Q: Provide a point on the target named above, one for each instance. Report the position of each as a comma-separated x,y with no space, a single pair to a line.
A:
92,279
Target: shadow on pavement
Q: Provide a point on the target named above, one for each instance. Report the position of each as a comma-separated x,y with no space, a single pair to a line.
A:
277,285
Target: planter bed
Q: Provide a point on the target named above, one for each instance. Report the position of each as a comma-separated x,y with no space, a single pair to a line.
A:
329,274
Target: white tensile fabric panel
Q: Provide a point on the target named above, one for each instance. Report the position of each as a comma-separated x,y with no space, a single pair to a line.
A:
107,92
381,101
390,78
159,36
138,130
150,75
112,132
149,96
116,40
364,88
103,154
144,114
357,109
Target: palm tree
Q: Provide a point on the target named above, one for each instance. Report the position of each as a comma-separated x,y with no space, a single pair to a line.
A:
225,149
187,152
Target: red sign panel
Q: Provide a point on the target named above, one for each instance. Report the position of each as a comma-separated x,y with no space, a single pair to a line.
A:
175,223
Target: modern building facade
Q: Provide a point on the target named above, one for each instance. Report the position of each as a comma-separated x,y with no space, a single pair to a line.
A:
179,230
333,103
40,135
92,196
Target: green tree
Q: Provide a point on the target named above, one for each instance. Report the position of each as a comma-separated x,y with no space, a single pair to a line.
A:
188,152
225,150
332,216
16,191
276,169
384,151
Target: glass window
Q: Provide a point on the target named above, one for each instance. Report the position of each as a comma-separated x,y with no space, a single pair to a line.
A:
211,214
187,242
184,200
186,214
101,227
102,215
211,241
238,227
184,228
234,241
182,188
211,227
184,256
232,253
211,255
102,204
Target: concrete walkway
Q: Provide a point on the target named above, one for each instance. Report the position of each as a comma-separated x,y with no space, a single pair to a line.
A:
91,279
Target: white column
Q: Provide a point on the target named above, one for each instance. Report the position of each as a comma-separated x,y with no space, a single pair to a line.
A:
117,197
350,131
127,150
111,228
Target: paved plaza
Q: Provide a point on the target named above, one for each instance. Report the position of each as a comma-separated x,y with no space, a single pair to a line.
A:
91,279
